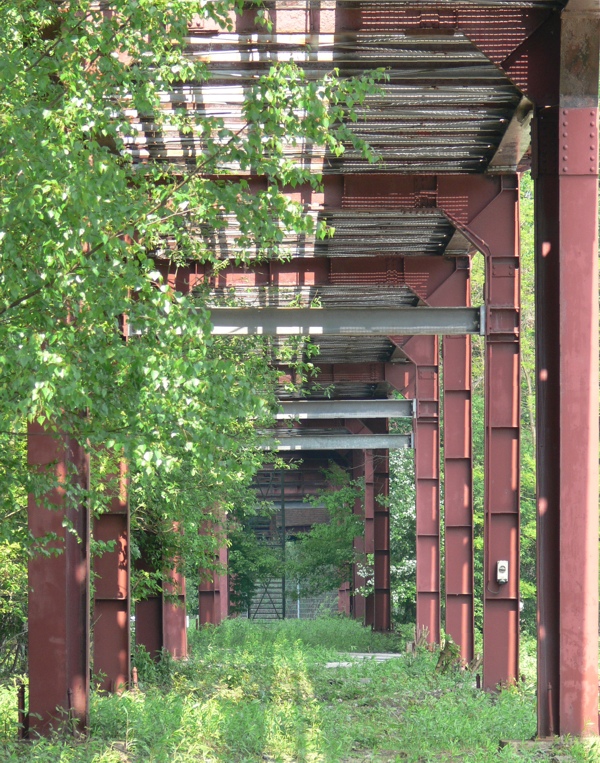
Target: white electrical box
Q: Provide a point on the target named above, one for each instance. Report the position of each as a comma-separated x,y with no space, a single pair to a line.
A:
502,572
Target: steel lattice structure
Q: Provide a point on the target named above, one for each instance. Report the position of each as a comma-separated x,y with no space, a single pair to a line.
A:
478,91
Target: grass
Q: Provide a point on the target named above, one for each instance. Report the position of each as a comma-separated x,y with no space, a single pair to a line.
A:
254,693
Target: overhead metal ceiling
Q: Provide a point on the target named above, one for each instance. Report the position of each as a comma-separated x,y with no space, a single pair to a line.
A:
356,233
328,350
337,391
325,295
444,108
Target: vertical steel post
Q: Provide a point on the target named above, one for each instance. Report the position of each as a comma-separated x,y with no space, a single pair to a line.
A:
358,602
501,450
458,492
59,590
174,616
370,514
283,535
112,604
566,182
213,593
492,226
160,620
149,625
381,541
344,599
423,353
174,630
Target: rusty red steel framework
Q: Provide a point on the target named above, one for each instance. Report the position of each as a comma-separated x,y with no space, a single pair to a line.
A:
112,600
423,386
466,81
213,592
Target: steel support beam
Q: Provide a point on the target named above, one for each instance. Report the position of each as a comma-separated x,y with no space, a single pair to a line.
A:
369,476
149,625
339,442
112,604
59,593
489,220
213,592
458,469
363,543
344,597
458,466
346,322
382,609
174,616
424,385
377,609
346,409
565,153
160,621
458,493
498,226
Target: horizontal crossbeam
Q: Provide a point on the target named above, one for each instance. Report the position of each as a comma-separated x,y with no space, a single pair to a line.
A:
340,442
274,321
346,409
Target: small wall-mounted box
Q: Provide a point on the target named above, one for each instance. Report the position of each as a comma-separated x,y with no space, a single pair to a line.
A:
502,572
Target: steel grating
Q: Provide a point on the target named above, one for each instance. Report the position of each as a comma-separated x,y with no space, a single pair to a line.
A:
326,296
355,349
356,233
328,350
336,391
360,233
444,109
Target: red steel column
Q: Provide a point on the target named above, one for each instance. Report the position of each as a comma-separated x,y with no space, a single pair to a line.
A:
213,593
358,605
370,523
501,422
423,352
174,616
490,222
344,592
566,172
174,630
458,492
454,291
112,605
149,625
381,536
160,621
59,590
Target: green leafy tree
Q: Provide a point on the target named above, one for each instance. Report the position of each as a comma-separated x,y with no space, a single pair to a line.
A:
321,559
403,536
252,562
87,233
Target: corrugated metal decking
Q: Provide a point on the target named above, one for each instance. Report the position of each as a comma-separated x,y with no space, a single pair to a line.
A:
444,108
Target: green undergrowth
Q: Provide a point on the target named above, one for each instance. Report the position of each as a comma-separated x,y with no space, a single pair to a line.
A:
254,693
340,634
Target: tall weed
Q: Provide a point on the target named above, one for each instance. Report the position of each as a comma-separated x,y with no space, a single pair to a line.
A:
256,693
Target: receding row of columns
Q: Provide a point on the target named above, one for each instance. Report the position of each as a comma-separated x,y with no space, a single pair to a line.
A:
59,599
